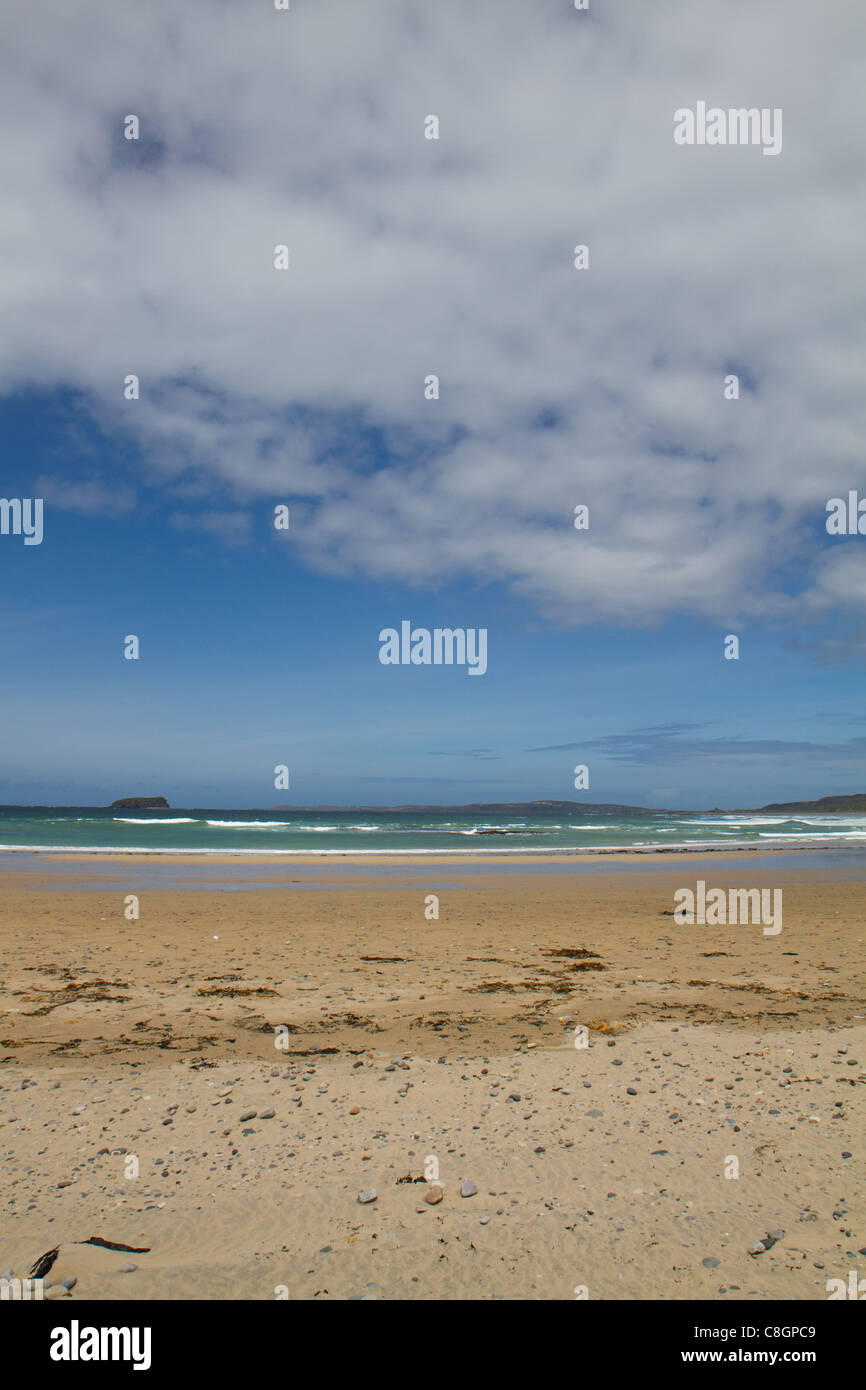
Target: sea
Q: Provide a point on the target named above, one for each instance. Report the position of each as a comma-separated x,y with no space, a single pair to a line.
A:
329,832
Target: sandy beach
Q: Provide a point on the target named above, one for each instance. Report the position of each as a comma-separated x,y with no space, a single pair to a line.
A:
216,1082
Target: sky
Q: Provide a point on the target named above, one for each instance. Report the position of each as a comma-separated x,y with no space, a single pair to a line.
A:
305,387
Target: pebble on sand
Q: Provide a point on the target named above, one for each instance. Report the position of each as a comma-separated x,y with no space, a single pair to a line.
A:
468,1188
128,1267
247,1115
434,1194
368,1195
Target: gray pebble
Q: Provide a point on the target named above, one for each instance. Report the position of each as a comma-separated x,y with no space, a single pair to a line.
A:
710,1262
368,1195
468,1188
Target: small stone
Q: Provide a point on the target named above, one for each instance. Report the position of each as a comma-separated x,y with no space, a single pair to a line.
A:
56,1291
69,1282
630,1091
128,1267
247,1115
267,1114
434,1194
757,1247
468,1188
355,1110
710,1262
368,1195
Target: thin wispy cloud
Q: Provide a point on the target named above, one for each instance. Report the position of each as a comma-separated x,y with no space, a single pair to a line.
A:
670,749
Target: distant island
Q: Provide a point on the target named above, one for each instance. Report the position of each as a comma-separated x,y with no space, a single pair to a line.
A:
141,803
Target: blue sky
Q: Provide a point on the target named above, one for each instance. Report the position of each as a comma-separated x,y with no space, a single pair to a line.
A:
557,388
249,659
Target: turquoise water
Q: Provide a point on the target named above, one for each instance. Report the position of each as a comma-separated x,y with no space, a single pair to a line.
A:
371,832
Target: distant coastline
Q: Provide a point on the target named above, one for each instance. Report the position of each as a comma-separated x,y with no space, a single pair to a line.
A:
852,803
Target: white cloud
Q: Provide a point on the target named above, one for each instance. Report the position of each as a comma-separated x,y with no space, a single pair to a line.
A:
88,496
455,257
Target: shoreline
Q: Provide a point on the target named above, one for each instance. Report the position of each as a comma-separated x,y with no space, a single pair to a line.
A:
301,856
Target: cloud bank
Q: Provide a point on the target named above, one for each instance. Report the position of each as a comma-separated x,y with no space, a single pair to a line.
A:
454,257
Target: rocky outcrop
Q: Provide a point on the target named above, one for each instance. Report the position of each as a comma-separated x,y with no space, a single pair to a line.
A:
141,803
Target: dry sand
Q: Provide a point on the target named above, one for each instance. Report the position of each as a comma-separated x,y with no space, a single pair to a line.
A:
411,1040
